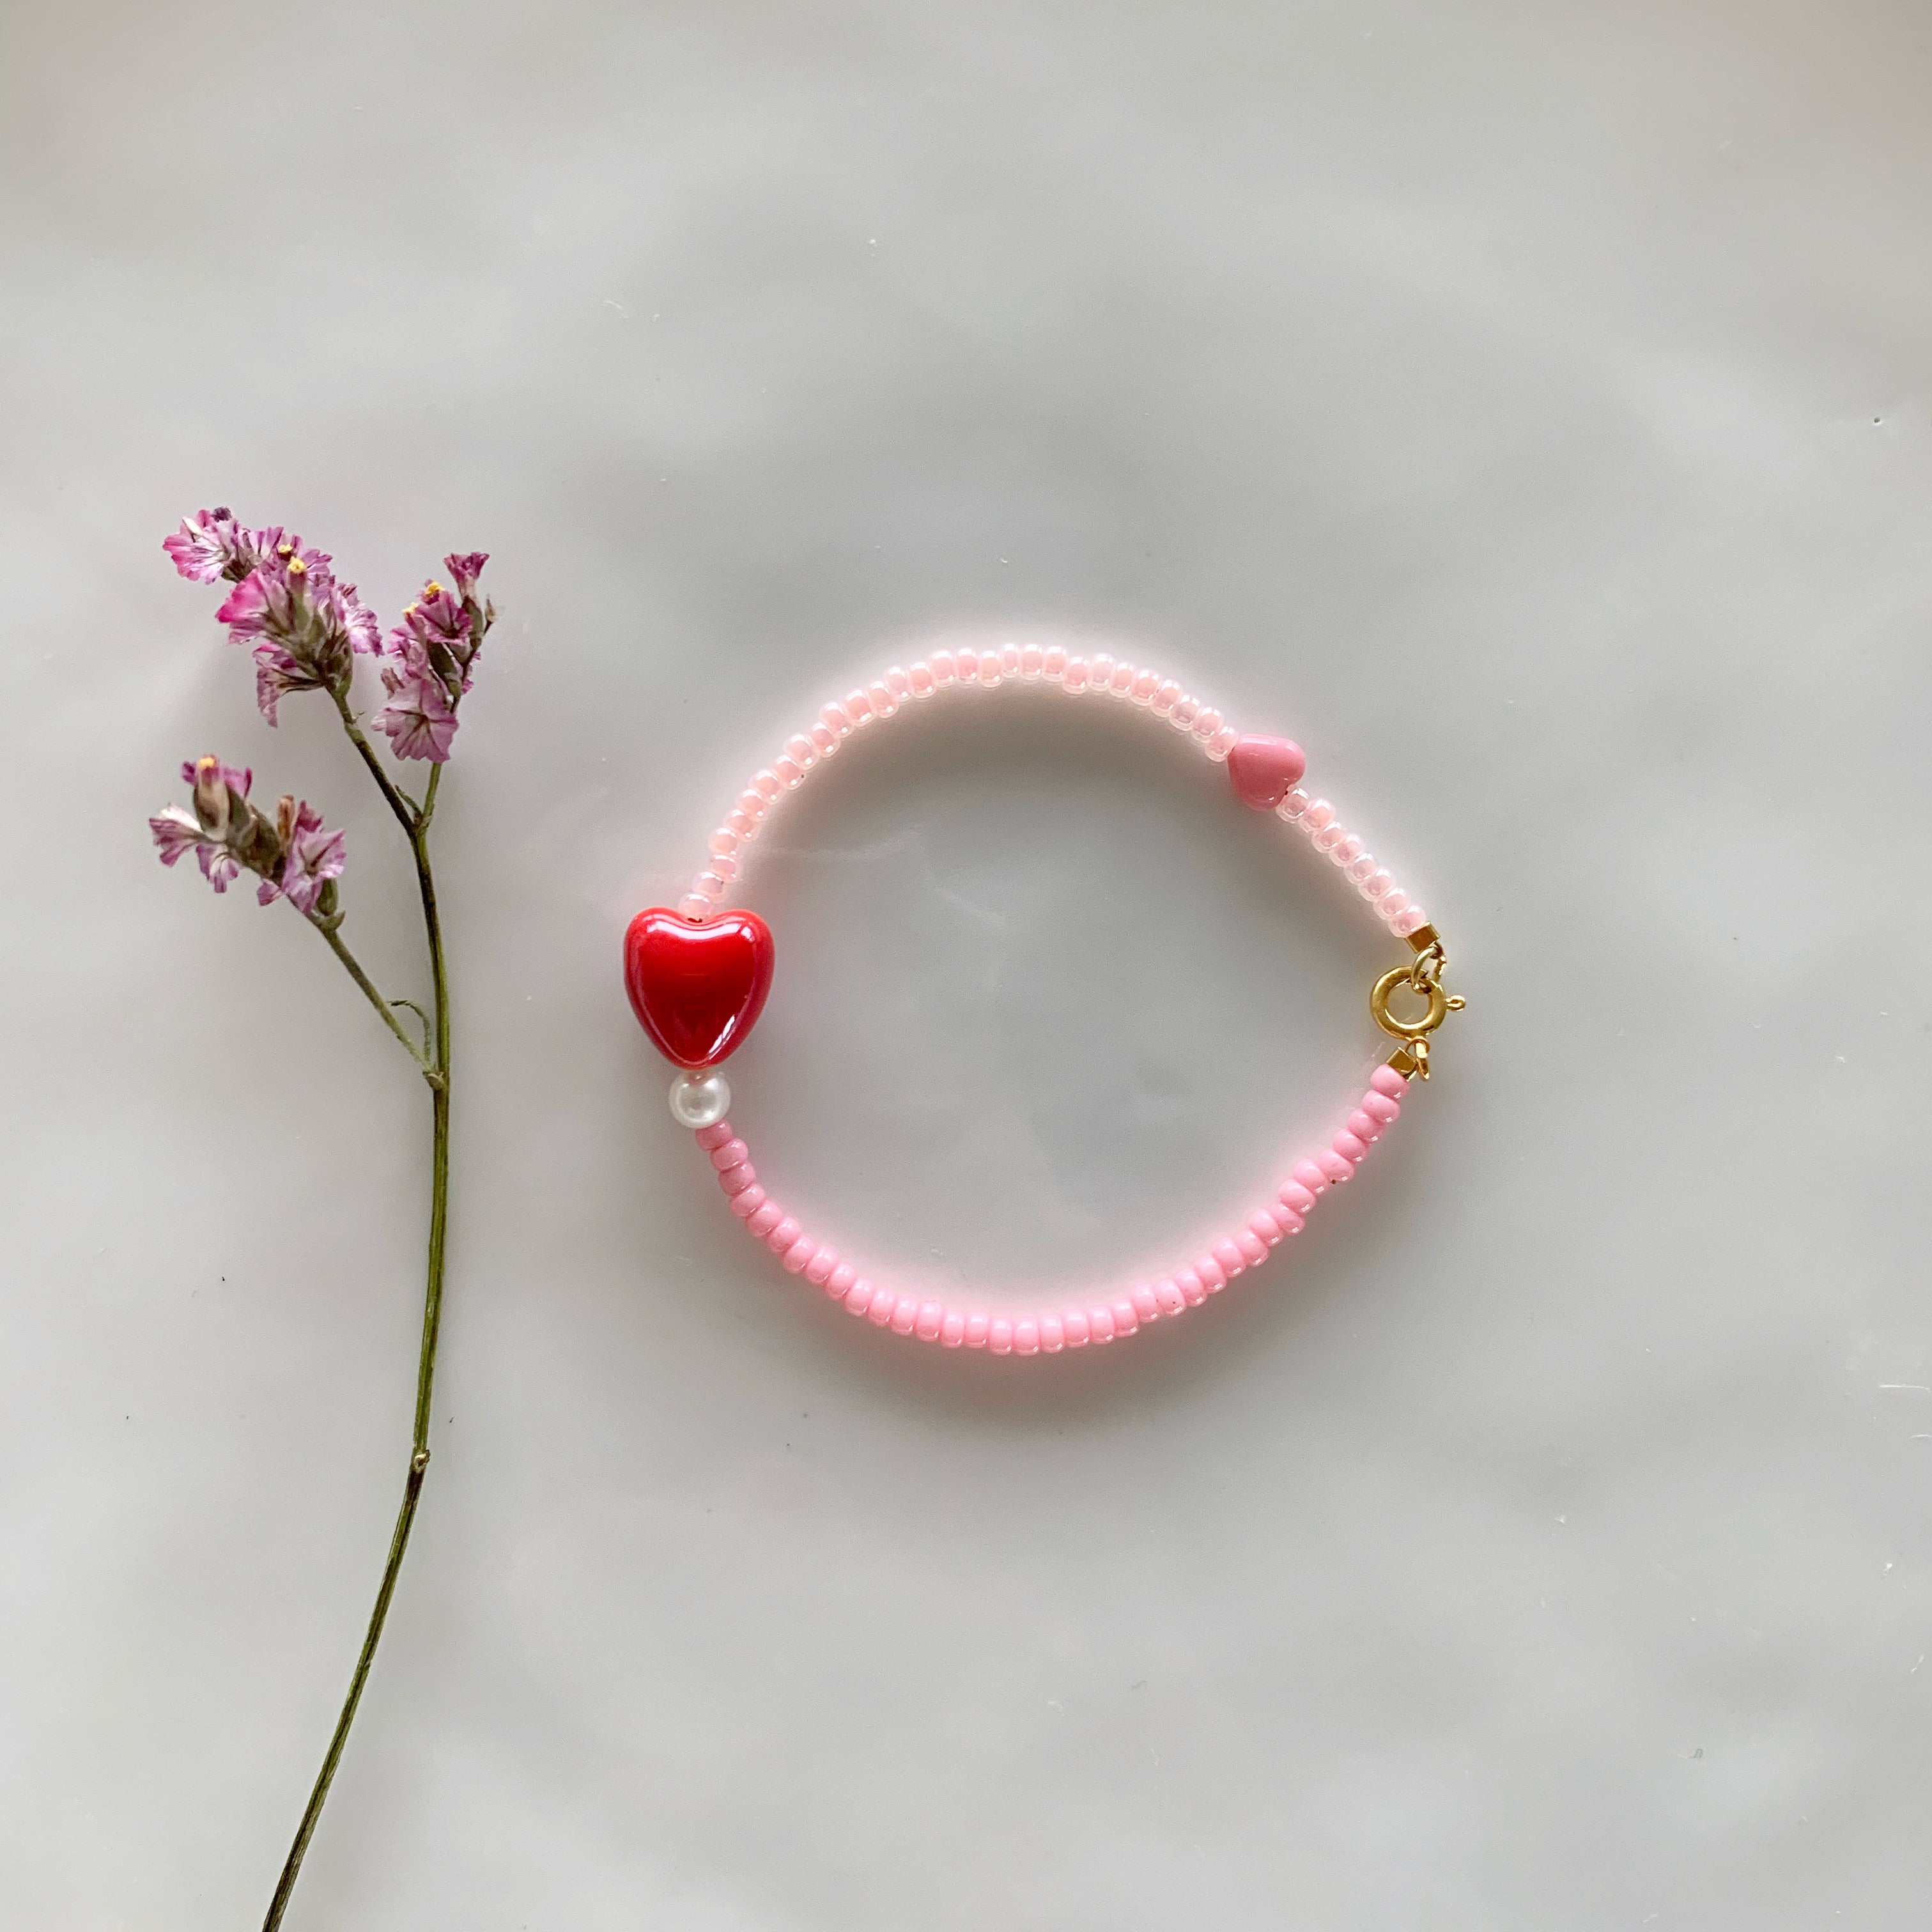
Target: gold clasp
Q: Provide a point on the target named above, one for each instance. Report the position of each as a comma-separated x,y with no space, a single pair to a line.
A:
1423,976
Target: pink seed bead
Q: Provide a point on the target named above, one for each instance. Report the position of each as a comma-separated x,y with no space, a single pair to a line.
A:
1032,661
991,669
1297,1194
1332,1164
931,1315
966,664
945,669
1230,1259
859,1298
1168,1297
1207,723
742,823
1213,1276
858,707
1345,850
767,785
1413,920
1318,815
1364,1126
799,1254
1286,1220
1293,806
746,1204
1075,1325
1053,663
1330,835
1378,885
1385,1080
692,907
1310,1176
1074,679
800,750
736,1179
1127,1317
783,1233
709,885
978,1323
885,1306
790,772
1223,742
1183,712
819,1270
1121,684
1263,1225
1391,904
1100,1323
833,718
1253,1247
1145,1306
1350,1146
714,1135
1100,670
1166,695
1193,1289
921,676
905,1314
1145,684
822,741
1026,1336
999,1336
769,1215
753,803
841,1282
1379,1107
883,702
1010,656
724,866
724,840
1052,1335
952,1325
899,682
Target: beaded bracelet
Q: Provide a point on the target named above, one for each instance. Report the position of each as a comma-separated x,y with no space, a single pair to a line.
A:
698,977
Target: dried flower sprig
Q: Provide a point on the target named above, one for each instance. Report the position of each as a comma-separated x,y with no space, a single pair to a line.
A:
307,627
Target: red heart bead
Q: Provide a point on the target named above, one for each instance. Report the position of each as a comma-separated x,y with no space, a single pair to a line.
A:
1264,770
697,985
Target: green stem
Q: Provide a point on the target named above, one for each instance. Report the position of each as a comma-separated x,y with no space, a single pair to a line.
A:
376,1000
436,1071
406,817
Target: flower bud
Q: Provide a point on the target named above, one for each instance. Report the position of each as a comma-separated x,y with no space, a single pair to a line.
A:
211,797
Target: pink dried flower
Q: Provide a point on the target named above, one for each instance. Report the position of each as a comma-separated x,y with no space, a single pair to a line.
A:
419,718
305,624
314,856
293,853
211,544
175,832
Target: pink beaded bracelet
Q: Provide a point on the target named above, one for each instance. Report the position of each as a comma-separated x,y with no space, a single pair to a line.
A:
698,979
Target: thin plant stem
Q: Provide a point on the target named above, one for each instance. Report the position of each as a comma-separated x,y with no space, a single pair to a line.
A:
436,1072
376,1000
406,816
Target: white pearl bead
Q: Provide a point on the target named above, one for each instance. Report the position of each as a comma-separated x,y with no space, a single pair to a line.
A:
699,1099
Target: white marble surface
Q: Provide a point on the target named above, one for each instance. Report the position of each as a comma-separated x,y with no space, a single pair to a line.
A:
1527,408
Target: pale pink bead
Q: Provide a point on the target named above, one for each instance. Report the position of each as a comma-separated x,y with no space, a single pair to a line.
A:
1390,905
840,1282
905,1314
1263,1223
1032,661
978,1323
1378,885
1350,1146
1145,1306
742,823
769,1215
1213,1276
858,707
1298,1195
966,666
1362,869
1385,1080
999,1336
899,682
1122,682
1075,1325
1052,1335
754,804
885,1306
724,866
1166,695
931,1315
798,1256
1183,712
783,1233
735,1179
1332,1164
1168,1297
1127,1317
1319,814
767,785
1100,1323
1228,1258
1026,1336
1293,806
1053,662
791,773
883,702
709,886
859,1298
1330,835
1075,676
1223,742
1413,920
1193,1289
952,1324
1145,684
822,740
945,669
714,1135
746,1204
801,751
833,718
1010,656
1207,723
725,840
991,669
1286,1220
1345,850
691,907
1310,1176
1253,1247
1380,1107
921,676
1100,670
1364,1126
818,1270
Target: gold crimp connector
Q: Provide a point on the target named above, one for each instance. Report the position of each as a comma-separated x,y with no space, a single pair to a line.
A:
1423,976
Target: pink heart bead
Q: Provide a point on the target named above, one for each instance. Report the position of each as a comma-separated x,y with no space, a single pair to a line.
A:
1264,770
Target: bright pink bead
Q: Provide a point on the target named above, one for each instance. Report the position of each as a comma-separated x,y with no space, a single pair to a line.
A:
1166,695
727,1152
1253,1248
1286,1219
767,785
1378,1106
1168,1297
945,669
818,1270
1053,663
746,1204
693,906
1262,1223
769,1215
1364,1126
1074,679
841,1281
921,675
1052,1335
1009,660
1145,1306
1387,1080
1311,1177
1332,1164
999,1336
952,1325
1193,1289
1349,1147
905,1314
1213,1276
978,1323
859,1298
1026,1336
798,1256
885,1306
736,1180
1229,1257
1297,1195
1100,1323
783,1231
1127,1317
931,1315
899,682
1076,1326
858,707
714,1135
